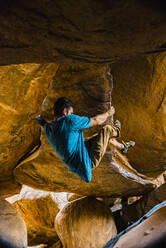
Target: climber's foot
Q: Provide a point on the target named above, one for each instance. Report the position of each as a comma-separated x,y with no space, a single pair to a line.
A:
127,145
117,124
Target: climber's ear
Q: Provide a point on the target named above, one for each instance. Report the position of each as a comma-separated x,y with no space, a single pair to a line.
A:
65,111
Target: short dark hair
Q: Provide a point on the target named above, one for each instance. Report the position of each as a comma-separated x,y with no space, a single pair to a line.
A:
60,104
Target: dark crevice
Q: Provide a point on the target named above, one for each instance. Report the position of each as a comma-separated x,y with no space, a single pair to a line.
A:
162,99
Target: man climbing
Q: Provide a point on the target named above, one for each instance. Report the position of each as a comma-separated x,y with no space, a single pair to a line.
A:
65,135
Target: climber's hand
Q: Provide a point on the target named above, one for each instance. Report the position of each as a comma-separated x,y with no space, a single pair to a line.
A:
111,111
101,118
40,120
108,74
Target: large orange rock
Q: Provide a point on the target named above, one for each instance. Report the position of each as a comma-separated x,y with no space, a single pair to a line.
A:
39,208
85,223
22,89
39,214
90,91
13,232
140,102
80,31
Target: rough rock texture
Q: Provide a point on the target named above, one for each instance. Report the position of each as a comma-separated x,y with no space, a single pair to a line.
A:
85,223
90,91
151,233
139,98
39,215
9,187
13,231
22,88
131,213
58,244
38,209
88,31
73,197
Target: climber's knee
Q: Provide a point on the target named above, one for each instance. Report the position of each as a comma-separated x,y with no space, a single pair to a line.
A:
111,130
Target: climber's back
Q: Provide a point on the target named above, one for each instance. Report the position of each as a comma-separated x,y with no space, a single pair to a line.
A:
66,137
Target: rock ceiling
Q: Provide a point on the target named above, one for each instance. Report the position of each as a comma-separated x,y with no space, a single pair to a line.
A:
80,31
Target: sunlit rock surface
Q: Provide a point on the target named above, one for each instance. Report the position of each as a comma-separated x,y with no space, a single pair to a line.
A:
90,91
38,209
139,96
22,89
80,31
39,215
13,232
85,222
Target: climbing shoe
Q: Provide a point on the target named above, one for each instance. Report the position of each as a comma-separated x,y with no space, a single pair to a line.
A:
117,124
40,120
127,145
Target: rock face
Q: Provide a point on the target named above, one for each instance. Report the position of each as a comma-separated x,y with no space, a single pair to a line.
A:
13,233
131,213
139,98
151,233
23,88
80,31
85,223
90,92
39,208
39,215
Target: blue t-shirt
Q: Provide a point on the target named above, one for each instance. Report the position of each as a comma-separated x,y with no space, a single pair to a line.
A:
66,137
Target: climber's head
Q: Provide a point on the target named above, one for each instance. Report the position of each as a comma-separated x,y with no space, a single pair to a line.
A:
63,106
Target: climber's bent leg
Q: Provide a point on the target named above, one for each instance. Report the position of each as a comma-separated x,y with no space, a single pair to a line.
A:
114,143
97,145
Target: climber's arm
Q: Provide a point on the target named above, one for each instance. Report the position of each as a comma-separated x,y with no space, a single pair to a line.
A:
100,119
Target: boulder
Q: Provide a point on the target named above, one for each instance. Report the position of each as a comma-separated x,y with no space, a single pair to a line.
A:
89,89
9,187
73,197
151,233
23,88
139,97
85,223
131,213
13,232
70,31
39,214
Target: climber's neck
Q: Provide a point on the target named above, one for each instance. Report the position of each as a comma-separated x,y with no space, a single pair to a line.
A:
65,112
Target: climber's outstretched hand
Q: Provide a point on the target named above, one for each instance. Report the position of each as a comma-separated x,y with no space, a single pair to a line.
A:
100,119
111,111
